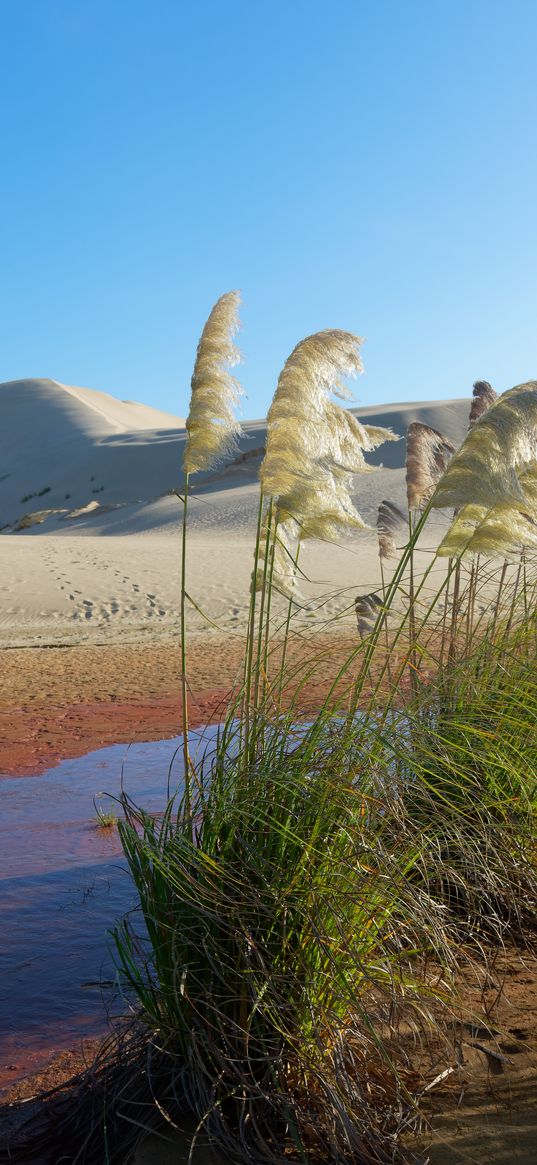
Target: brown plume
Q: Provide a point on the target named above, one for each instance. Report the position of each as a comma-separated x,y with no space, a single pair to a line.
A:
390,521
367,608
428,452
484,397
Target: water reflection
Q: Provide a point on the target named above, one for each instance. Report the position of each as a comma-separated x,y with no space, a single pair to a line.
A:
63,885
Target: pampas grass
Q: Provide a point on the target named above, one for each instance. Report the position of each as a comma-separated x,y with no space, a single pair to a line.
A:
390,522
503,530
212,436
428,453
367,608
314,447
499,447
483,397
211,426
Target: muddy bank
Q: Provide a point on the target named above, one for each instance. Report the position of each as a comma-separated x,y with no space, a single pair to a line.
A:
62,702
35,738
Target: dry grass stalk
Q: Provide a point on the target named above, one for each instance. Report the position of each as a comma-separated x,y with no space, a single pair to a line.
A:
428,454
484,397
500,447
212,428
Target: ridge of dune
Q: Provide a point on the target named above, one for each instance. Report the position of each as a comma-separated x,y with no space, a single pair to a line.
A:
124,415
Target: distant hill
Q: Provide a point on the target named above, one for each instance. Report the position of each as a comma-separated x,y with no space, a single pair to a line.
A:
62,447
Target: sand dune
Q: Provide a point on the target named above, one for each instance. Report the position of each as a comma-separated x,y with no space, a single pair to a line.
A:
61,447
112,570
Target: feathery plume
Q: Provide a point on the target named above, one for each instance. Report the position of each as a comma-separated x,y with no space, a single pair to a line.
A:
313,445
502,530
212,428
484,396
498,448
463,527
367,608
427,454
346,440
390,521
504,533
295,418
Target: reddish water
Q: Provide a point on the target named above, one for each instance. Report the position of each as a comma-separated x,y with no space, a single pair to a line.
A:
63,886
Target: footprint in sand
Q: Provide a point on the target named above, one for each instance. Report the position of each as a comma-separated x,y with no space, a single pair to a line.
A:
88,613
112,609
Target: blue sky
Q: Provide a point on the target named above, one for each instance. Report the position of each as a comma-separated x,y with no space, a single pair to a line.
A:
364,165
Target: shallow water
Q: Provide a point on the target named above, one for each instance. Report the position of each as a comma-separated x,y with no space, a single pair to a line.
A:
63,884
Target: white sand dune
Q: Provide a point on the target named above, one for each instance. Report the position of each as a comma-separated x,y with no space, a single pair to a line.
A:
113,571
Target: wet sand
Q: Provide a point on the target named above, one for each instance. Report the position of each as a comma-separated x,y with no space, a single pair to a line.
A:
60,702
57,703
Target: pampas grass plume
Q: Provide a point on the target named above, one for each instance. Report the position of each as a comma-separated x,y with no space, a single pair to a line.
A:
313,445
212,428
499,447
483,398
459,536
367,608
499,531
390,521
427,454
295,419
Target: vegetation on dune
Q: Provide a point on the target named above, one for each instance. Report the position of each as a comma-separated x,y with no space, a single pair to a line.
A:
309,897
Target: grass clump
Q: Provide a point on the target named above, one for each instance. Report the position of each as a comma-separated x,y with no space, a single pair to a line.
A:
311,895
308,897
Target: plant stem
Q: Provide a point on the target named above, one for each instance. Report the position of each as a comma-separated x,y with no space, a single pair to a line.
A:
268,566
250,636
281,680
454,611
184,681
412,611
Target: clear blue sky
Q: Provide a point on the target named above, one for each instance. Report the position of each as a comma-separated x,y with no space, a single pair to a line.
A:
364,164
